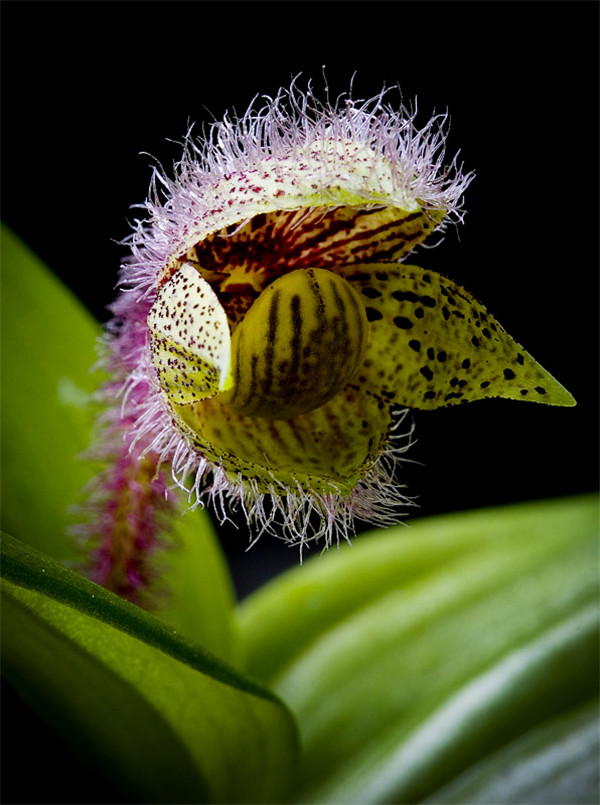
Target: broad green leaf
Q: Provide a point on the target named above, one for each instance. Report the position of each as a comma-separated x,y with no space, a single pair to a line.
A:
412,655
169,722
551,765
48,348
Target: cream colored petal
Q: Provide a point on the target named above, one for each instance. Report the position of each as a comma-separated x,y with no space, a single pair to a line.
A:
189,337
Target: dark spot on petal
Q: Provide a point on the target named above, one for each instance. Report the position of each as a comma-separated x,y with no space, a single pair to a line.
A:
372,314
360,276
520,359
466,363
485,384
257,223
475,341
431,353
402,322
414,344
405,296
372,293
445,313
509,374
540,389
441,356
426,372
429,395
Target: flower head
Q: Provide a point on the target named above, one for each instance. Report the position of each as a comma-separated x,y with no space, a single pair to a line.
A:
268,339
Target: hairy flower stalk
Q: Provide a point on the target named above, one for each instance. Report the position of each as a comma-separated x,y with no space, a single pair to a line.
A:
268,339
129,510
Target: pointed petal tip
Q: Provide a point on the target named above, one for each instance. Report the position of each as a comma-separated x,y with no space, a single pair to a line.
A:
554,391
550,391
562,397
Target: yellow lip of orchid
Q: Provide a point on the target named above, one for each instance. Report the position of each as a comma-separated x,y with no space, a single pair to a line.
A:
271,339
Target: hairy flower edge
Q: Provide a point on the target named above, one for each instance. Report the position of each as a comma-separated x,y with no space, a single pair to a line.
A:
329,179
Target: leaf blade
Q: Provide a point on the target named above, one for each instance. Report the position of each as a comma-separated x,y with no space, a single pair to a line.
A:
553,764
48,347
384,647
186,703
199,597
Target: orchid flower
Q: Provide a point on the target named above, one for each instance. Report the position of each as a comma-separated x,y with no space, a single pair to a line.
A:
268,339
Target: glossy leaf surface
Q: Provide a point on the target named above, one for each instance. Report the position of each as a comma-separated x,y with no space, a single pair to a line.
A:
551,765
168,721
410,657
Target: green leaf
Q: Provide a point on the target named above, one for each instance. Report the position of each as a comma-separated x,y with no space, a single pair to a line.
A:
48,348
551,765
417,652
199,598
169,722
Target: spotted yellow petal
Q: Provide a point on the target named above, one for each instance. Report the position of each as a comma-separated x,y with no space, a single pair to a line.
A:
432,344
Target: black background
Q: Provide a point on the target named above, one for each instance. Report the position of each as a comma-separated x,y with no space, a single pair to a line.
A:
89,86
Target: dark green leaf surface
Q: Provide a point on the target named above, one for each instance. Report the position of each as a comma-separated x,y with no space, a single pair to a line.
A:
170,722
420,651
